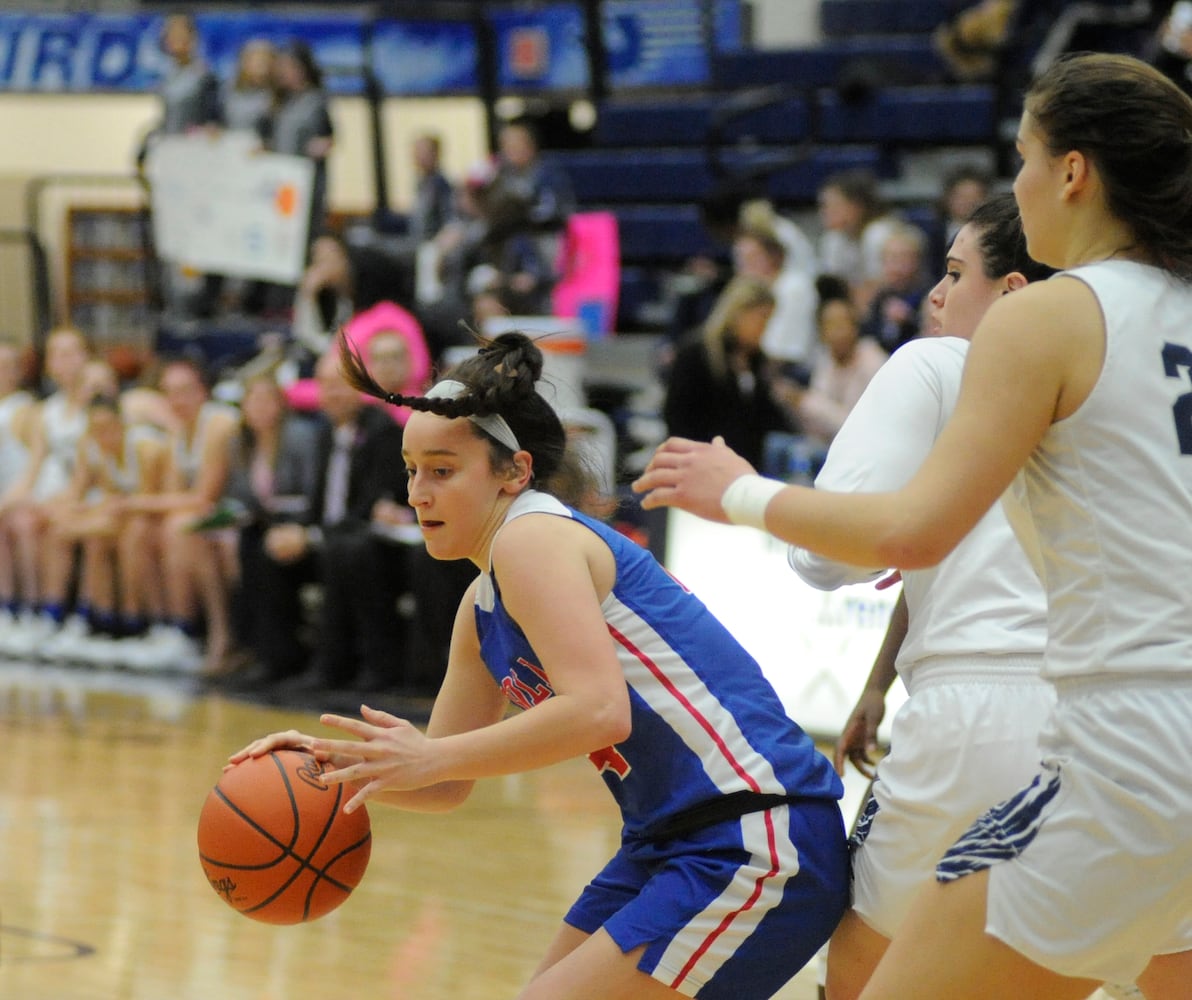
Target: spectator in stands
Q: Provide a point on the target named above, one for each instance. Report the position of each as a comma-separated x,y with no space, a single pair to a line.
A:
250,95
45,561
434,196
193,563
841,372
790,337
118,592
190,100
719,383
893,315
302,123
799,251
1171,48
189,92
342,280
526,207
18,582
362,326
271,479
444,262
391,341
963,189
971,41
360,487
855,225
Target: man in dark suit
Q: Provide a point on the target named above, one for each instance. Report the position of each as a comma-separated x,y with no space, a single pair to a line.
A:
360,484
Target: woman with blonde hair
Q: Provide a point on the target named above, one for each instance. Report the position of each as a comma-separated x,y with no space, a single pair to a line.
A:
719,383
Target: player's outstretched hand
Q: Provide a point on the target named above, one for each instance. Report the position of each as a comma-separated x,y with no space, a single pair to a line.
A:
859,738
691,475
387,754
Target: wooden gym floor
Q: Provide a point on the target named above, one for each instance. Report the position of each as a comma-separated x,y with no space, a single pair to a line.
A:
102,896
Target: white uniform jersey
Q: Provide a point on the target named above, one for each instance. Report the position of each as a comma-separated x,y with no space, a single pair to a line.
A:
187,452
981,600
13,452
1104,505
63,426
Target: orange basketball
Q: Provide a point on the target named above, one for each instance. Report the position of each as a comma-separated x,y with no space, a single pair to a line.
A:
275,842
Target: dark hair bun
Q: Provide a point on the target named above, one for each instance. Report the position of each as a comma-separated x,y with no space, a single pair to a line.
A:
516,362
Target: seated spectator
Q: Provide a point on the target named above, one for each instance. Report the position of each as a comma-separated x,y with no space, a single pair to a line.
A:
963,189
271,480
719,383
1171,48
893,315
799,251
340,543
855,225
526,207
118,592
393,346
790,333
194,563
45,561
444,262
406,355
841,372
17,406
970,42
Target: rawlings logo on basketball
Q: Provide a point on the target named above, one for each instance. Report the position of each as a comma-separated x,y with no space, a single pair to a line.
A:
311,772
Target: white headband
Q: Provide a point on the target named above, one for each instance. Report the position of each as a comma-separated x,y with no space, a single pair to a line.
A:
493,424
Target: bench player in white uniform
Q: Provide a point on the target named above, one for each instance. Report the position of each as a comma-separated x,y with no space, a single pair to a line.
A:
968,633
117,591
16,406
58,425
733,867
196,584
1084,383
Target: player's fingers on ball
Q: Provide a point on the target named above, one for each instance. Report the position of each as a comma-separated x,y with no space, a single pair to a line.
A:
361,797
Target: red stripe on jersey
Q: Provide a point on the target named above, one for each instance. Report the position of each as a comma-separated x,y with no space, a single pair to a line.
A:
695,713
744,908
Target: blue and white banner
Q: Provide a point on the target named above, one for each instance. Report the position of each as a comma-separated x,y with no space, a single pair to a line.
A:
649,43
106,52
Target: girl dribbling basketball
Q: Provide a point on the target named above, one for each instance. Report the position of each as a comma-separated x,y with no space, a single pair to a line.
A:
733,868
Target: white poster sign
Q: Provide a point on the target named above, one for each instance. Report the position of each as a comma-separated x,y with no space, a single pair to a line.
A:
222,207
816,647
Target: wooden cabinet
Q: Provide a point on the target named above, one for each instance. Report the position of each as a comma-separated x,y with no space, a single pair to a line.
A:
107,274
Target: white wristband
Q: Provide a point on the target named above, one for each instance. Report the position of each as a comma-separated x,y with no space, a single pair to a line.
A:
746,499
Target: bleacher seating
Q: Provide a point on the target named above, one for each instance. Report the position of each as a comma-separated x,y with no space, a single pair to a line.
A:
872,92
906,59
685,176
839,18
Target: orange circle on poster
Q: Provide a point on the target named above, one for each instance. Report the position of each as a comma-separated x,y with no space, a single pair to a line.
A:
286,199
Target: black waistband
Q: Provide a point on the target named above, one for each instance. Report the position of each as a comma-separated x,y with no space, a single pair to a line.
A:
734,805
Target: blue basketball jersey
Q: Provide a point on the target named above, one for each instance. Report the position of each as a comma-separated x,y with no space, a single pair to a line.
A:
706,721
